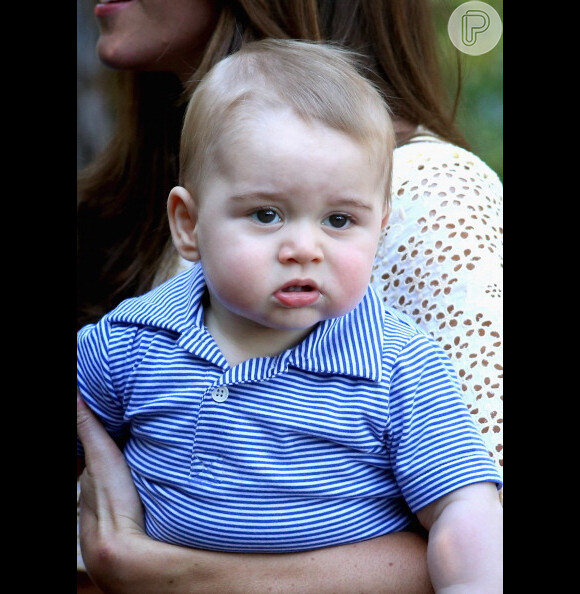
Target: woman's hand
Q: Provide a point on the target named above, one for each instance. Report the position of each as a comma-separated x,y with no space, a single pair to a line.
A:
109,504
109,498
122,559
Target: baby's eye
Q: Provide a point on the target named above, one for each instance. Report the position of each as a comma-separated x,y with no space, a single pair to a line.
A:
266,216
338,221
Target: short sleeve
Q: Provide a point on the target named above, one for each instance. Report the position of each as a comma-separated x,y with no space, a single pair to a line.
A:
440,262
94,379
432,441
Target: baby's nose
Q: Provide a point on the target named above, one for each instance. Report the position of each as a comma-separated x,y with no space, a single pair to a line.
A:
301,247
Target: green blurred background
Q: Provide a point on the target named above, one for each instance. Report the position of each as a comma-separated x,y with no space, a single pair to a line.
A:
480,113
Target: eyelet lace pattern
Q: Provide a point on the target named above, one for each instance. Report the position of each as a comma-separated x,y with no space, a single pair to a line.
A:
440,261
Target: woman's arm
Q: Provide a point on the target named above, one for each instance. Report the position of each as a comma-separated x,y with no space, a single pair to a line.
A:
122,559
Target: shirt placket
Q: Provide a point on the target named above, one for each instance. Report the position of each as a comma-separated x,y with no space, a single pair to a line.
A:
231,382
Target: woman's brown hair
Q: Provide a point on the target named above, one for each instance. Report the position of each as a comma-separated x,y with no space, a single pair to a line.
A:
122,224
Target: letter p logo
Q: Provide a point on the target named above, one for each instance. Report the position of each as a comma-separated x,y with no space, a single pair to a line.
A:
473,22
474,28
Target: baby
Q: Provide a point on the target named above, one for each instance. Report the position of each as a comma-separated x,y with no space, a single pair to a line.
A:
272,402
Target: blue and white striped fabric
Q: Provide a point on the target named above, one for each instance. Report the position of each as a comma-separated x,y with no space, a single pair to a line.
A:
334,441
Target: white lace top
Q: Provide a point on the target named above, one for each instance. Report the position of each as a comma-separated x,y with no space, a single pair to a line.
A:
440,261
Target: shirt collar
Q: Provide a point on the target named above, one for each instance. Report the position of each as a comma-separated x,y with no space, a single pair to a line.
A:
350,345
174,305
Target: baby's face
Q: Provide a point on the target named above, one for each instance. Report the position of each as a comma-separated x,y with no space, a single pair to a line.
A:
288,223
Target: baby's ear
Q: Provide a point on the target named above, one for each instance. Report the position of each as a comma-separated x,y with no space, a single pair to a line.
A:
182,213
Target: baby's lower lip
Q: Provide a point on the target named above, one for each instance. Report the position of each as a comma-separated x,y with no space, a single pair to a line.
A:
297,296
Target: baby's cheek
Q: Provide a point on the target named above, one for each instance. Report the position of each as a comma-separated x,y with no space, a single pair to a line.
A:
233,288
353,275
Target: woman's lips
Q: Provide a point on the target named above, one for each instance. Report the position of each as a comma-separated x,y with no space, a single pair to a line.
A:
106,7
300,293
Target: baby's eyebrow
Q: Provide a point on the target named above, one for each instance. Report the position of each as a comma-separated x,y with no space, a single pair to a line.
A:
339,202
263,197
351,203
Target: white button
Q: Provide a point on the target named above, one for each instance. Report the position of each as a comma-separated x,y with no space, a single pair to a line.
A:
220,393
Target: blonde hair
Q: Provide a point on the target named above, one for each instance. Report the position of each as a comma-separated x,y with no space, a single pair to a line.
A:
319,82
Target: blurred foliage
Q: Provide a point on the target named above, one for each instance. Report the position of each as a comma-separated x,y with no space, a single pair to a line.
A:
480,111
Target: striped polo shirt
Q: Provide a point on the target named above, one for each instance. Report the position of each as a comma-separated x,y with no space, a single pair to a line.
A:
336,440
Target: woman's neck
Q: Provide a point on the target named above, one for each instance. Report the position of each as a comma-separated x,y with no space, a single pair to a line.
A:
404,130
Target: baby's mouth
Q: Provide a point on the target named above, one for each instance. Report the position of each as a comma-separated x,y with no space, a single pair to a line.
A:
298,293
297,288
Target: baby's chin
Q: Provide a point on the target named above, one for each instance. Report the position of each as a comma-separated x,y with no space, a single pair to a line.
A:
299,320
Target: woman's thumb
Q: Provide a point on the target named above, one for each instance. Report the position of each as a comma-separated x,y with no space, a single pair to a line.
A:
86,421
